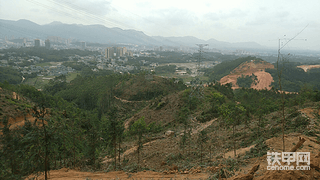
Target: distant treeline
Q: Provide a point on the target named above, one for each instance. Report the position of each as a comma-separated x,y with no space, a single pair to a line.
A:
293,79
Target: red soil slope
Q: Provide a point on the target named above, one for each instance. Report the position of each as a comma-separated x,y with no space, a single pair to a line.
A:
257,68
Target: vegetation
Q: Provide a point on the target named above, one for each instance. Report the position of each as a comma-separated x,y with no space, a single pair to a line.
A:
48,55
77,123
247,81
293,79
10,75
139,128
165,69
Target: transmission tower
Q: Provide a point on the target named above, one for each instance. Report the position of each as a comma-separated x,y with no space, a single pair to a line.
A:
197,86
200,57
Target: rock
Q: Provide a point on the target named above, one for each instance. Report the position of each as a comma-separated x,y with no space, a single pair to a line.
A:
163,163
169,133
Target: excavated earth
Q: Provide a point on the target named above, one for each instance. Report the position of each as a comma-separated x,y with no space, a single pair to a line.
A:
307,67
248,68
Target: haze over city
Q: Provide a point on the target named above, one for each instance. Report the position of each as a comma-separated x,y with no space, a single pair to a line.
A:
231,21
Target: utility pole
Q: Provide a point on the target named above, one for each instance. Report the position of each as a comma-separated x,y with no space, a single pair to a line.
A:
280,85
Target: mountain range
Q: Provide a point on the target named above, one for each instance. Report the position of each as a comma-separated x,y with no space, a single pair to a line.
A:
104,35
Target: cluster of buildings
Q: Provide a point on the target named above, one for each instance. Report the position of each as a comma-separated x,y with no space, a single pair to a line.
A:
53,42
46,43
117,52
47,70
30,69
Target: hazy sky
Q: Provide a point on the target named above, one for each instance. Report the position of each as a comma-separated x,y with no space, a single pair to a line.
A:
262,21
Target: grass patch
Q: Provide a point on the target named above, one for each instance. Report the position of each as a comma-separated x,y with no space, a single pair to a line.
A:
72,76
38,82
43,64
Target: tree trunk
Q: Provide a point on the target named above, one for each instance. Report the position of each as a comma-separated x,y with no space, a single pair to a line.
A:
201,153
259,122
138,157
119,144
283,122
234,142
115,153
74,152
46,150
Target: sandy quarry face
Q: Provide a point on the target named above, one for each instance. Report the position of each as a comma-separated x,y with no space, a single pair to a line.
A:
264,78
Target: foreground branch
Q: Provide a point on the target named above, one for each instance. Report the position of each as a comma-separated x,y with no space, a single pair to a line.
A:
301,141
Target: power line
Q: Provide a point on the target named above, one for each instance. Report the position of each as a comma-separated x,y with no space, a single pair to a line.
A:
292,38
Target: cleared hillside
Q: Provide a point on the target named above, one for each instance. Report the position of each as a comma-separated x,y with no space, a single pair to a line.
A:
185,133
256,67
307,67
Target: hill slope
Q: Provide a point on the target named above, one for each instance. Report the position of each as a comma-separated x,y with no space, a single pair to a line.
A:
256,67
15,108
105,35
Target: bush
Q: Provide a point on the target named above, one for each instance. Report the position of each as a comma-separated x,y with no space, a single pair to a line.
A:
174,157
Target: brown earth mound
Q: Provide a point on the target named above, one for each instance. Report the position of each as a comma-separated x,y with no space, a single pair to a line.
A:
248,68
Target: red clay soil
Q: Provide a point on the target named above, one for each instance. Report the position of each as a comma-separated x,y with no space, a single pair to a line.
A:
264,79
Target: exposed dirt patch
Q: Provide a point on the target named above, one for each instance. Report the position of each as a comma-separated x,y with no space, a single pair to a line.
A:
257,68
65,174
307,67
202,126
309,112
264,80
275,145
240,151
20,121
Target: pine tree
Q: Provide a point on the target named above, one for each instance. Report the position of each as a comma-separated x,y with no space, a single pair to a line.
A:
139,128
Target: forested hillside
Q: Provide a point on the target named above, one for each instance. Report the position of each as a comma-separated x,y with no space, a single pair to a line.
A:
294,79
10,75
110,122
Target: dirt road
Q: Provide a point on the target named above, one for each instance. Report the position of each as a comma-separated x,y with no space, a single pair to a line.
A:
65,174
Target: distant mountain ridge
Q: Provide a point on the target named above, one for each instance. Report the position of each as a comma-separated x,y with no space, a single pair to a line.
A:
104,35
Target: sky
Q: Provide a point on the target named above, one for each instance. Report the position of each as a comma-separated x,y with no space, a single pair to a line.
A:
261,21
